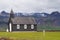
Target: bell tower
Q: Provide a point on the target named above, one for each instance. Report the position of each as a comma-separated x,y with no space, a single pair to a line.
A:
10,20
11,14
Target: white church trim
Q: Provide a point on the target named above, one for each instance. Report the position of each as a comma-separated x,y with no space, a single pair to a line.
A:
25,26
10,25
32,26
18,26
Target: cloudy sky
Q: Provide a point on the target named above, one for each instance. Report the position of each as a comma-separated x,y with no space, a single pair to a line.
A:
30,5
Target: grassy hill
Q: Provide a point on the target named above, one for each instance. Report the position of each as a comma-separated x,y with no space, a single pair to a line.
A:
31,35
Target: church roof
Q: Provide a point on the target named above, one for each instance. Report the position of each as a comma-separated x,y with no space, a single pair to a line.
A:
23,20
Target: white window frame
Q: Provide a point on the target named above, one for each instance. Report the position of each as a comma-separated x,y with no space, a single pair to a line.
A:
32,26
18,26
25,26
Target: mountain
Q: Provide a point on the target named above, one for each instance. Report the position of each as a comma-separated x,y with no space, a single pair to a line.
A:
18,14
40,18
55,14
3,13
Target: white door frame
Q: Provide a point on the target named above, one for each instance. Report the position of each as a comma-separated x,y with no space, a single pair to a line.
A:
10,26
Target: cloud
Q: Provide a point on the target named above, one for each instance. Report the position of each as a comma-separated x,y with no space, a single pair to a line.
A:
30,5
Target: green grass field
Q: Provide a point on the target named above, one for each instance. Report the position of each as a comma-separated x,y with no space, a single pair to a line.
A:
31,35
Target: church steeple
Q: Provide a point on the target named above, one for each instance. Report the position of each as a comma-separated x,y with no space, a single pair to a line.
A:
10,20
11,14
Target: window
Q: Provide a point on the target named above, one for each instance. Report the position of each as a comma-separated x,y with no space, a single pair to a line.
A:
25,26
32,26
18,26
